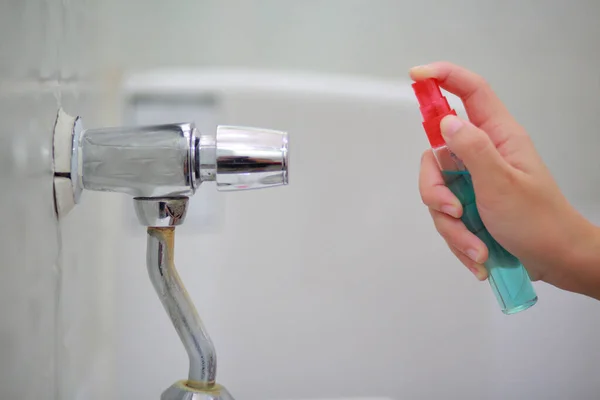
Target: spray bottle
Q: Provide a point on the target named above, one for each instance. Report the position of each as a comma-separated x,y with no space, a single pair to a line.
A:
507,276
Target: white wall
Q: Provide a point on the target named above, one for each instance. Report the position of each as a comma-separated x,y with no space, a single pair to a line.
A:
55,311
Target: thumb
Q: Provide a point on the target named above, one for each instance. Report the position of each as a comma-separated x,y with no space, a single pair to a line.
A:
474,147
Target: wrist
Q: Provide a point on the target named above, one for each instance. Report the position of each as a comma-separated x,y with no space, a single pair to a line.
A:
581,263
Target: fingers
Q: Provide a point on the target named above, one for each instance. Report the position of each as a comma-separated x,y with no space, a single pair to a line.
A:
474,147
458,237
434,192
445,210
481,103
476,269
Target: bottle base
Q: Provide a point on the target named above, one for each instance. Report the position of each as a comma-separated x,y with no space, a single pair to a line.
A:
522,307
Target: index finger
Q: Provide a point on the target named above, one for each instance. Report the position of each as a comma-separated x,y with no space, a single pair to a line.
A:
481,103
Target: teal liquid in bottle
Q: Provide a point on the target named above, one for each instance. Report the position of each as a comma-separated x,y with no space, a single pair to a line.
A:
507,276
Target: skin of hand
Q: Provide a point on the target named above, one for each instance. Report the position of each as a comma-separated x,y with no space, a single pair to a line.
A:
518,200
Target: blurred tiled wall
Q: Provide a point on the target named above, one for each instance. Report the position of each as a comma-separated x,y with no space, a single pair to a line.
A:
55,310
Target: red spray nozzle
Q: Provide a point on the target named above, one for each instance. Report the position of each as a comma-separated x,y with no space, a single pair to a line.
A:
434,107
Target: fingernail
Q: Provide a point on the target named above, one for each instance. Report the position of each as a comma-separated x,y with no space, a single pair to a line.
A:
476,272
450,125
473,255
451,210
421,70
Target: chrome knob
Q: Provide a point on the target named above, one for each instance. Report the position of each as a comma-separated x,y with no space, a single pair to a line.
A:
250,158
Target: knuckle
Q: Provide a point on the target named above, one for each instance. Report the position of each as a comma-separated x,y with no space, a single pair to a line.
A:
480,82
423,198
474,140
479,145
426,197
442,225
510,177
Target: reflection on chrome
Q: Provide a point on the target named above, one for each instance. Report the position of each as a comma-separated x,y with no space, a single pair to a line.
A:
174,159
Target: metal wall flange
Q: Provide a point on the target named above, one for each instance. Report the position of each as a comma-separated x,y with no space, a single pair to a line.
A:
67,182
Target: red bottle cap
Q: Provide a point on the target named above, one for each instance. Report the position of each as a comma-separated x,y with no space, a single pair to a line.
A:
434,107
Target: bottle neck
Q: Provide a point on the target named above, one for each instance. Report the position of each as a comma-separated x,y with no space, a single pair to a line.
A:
447,160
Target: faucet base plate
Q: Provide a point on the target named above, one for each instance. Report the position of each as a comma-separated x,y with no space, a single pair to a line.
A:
181,391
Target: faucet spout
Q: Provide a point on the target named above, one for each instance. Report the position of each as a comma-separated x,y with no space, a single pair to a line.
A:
179,307
161,216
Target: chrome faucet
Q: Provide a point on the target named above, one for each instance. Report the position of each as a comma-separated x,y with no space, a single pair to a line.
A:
161,167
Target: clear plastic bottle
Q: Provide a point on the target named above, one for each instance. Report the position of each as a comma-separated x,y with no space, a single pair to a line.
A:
507,276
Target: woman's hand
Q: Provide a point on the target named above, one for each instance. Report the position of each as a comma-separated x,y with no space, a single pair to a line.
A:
517,197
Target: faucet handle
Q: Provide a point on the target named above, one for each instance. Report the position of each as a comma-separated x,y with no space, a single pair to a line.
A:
250,158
